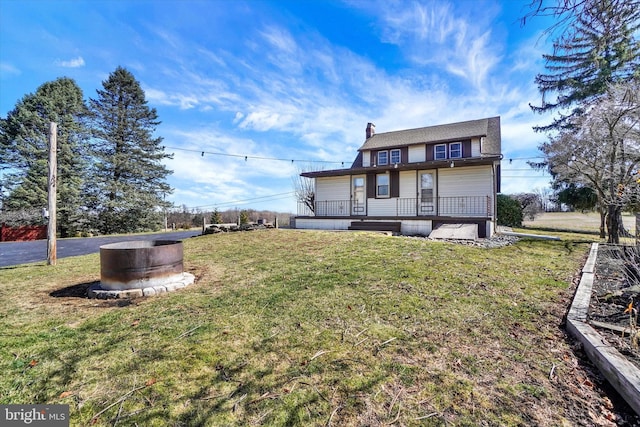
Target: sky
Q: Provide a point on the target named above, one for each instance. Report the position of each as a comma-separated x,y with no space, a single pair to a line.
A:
250,93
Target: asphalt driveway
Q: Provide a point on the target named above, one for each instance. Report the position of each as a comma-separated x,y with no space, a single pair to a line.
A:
14,253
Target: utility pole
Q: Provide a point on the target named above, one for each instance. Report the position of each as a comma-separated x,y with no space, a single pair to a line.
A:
52,198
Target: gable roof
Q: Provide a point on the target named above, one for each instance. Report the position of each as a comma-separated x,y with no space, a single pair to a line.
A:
488,127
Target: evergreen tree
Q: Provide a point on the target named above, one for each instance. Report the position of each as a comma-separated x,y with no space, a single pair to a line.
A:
128,177
600,46
216,217
244,217
24,151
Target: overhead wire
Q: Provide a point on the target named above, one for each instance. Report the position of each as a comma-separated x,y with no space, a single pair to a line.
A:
247,157
269,197
278,196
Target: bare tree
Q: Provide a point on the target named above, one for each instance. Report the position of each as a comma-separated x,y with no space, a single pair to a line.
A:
530,203
305,190
544,197
602,152
566,12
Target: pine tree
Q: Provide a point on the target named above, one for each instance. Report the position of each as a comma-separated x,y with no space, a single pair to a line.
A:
129,179
216,217
599,47
24,151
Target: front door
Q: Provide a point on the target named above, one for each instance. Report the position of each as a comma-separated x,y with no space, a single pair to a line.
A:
358,196
427,193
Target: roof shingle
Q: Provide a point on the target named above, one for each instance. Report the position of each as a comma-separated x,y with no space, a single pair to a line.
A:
488,127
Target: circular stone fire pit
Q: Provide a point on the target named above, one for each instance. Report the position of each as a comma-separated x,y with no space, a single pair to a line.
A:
140,268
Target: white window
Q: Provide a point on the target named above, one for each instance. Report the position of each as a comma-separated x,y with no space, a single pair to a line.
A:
382,185
395,157
440,152
383,157
455,150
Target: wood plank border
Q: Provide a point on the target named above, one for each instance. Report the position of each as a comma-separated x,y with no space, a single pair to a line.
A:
623,375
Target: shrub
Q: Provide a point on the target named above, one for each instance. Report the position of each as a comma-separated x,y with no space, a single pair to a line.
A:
509,211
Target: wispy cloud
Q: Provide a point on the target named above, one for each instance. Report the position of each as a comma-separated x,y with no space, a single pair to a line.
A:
72,63
7,68
442,35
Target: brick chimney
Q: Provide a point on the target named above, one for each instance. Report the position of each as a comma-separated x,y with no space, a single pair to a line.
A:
371,130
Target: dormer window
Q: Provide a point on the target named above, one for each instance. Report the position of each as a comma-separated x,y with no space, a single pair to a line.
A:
395,157
383,158
455,150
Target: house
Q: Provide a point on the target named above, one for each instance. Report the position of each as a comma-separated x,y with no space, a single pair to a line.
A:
412,181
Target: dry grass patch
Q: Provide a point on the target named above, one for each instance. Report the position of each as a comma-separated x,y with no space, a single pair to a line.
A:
286,327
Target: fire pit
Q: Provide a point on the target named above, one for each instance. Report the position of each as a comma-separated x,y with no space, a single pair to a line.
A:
140,268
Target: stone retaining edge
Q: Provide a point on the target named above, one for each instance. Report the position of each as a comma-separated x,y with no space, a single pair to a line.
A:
95,291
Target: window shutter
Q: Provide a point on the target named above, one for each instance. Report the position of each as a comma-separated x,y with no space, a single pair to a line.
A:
430,150
371,185
466,148
394,178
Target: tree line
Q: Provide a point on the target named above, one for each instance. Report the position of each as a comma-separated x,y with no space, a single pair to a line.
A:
111,178
185,217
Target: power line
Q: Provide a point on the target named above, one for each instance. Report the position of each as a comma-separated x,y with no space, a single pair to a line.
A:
511,159
525,176
522,169
247,157
270,197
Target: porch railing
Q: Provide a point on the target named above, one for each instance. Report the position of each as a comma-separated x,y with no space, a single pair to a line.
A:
466,206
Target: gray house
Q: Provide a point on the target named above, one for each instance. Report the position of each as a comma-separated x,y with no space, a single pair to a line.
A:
412,181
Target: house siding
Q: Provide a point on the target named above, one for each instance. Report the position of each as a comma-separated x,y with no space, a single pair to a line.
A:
382,207
468,181
333,188
408,184
475,147
417,153
465,181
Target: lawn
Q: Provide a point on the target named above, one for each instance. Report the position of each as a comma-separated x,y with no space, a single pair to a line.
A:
286,327
576,221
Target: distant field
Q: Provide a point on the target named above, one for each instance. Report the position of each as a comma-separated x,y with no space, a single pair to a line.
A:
575,221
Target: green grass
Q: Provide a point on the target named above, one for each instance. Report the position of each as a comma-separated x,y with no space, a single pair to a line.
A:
286,327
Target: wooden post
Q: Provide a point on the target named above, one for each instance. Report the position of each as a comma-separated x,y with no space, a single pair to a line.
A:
53,167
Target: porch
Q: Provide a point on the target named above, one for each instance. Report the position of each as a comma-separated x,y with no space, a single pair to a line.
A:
402,207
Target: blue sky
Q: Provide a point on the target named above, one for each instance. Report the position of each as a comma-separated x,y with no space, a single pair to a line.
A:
293,80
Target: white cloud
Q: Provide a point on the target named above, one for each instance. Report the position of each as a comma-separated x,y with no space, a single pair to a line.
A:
280,39
435,33
7,68
72,63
